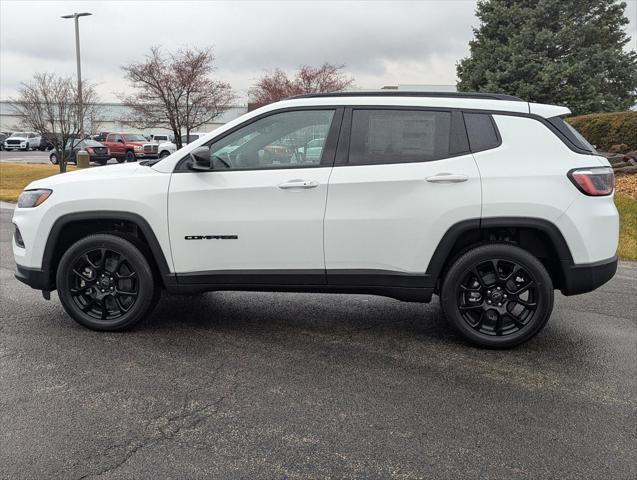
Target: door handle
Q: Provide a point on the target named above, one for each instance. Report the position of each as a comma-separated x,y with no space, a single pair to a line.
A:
298,184
447,178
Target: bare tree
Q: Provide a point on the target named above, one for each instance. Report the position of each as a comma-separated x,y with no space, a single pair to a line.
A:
276,85
48,105
175,91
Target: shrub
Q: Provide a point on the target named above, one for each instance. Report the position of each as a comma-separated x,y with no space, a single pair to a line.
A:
608,129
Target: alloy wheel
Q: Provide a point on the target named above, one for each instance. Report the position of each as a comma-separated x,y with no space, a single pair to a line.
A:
103,284
497,297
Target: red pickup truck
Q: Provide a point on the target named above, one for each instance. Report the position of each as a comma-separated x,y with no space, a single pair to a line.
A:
127,146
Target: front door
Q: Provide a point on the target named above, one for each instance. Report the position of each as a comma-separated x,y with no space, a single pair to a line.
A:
257,216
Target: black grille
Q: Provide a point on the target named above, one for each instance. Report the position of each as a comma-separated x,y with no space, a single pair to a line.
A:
14,142
100,150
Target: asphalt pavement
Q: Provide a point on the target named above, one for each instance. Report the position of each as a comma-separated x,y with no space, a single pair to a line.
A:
267,385
18,156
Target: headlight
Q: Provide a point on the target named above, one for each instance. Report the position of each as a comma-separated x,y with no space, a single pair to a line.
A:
138,147
33,198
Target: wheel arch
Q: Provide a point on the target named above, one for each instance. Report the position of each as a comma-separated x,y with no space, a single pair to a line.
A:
71,227
540,237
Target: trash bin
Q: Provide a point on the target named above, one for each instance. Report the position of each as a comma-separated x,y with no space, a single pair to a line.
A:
82,158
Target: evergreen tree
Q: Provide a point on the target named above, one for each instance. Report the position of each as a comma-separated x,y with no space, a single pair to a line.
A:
568,52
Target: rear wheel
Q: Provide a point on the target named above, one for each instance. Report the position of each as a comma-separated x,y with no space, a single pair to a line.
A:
497,296
106,283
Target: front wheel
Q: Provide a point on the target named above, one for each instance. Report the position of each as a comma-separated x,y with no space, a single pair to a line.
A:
497,296
130,157
54,158
163,154
106,283
26,149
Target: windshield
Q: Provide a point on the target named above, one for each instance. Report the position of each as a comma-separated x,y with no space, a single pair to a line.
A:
20,134
134,137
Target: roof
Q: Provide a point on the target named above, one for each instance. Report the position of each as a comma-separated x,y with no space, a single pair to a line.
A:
407,93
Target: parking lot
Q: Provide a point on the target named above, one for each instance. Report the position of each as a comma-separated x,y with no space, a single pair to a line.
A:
263,385
18,156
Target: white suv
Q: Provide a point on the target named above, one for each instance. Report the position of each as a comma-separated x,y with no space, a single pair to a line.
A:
488,201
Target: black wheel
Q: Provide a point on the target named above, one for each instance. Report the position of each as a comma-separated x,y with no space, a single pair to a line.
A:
54,158
102,162
130,156
164,154
106,283
497,296
26,149
120,160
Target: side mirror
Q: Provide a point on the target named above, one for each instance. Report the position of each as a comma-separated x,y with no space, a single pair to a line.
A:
200,159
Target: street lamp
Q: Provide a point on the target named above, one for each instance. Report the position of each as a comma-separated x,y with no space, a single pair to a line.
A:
76,16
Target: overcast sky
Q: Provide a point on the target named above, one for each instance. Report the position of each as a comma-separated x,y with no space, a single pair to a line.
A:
381,43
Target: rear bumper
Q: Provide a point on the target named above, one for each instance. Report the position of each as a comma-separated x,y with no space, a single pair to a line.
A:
582,278
35,278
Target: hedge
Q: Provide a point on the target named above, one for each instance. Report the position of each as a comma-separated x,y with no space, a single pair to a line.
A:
607,129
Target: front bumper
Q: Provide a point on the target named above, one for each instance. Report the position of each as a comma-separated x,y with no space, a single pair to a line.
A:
582,278
35,278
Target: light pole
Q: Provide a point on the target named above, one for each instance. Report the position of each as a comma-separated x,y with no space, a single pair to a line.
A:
77,16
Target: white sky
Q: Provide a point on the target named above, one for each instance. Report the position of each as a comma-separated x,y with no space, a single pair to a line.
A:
381,43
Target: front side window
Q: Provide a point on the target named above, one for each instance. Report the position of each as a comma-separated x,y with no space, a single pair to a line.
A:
286,139
398,136
134,137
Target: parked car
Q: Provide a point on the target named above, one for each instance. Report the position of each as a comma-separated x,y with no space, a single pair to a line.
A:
3,137
485,200
22,141
167,148
97,152
45,143
100,137
127,146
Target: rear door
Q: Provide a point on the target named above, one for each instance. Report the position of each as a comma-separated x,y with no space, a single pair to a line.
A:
402,178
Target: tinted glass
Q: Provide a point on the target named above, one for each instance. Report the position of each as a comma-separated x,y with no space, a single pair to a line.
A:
398,136
134,137
285,139
481,131
571,134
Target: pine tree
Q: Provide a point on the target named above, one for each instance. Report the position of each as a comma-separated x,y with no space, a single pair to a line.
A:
567,52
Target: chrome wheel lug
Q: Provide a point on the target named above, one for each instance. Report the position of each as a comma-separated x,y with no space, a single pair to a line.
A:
489,302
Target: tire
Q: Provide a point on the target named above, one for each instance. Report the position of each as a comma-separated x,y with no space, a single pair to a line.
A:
497,296
26,149
120,160
130,157
105,283
102,162
53,158
163,154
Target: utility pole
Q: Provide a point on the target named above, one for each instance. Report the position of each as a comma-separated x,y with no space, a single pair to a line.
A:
80,98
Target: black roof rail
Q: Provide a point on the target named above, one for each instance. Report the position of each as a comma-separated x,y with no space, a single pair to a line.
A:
407,93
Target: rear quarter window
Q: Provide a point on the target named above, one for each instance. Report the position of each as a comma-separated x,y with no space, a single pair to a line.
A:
481,131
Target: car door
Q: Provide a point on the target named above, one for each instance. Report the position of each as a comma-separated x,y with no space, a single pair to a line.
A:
401,179
257,216
115,145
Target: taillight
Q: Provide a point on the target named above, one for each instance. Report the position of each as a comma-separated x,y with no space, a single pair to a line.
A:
594,181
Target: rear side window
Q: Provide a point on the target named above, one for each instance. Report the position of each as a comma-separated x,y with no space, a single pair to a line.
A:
398,136
481,131
573,136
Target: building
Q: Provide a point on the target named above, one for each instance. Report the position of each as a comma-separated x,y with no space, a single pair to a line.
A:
112,116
